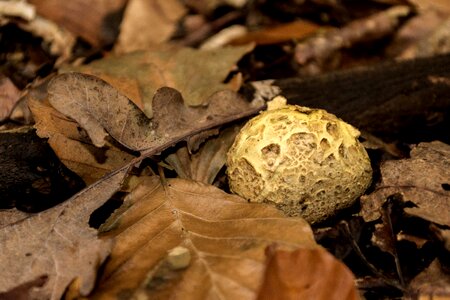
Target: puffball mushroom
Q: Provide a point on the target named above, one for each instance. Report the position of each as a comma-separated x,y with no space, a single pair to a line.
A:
307,162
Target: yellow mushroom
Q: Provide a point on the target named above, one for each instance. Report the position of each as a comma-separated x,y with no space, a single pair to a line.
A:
305,161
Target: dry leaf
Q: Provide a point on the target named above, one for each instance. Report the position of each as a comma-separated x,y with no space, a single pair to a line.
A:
225,238
9,95
72,145
432,283
208,6
23,291
146,23
91,20
299,29
196,74
204,165
306,274
422,180
57,243
10,216
98,107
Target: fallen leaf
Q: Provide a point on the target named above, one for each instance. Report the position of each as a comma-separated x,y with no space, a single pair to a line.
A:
99,108
9,95
10,216
208,6
421,180
299,29
224,37
93,21
306,274
72,145
432,283
204,165
57,243
23,291
147,23
225,238
196,74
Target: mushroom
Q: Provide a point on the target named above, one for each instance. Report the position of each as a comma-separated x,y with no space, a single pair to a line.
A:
307,162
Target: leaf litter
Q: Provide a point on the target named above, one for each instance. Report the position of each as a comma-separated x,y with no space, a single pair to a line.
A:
138,77
57,243
225,235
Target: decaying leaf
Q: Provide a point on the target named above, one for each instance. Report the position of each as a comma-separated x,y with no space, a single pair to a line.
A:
432,283
147,23
23,291
57,243
98,107
10,216
9,95
421,180
224,235
306,274
299,29
72,145
204,165
84,18
196,74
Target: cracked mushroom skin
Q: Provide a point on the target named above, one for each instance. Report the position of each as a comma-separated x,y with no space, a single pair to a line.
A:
307,162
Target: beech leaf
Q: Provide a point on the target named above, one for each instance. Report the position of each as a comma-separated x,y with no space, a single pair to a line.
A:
221,236
306,274
57,243
422,180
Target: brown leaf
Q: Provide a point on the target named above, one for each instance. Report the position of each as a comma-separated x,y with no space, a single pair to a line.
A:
9,95
221,235
84,18
204,165
432,283
57,243
422,180
306,274
277,34
10,216
97,106
146,23
23,291
196,74
72,145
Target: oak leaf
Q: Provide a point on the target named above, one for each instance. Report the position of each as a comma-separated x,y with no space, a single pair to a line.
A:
196,74
57,243
422,180
223,236
72,145
100,108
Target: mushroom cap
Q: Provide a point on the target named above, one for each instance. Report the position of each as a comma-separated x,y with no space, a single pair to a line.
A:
306,161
